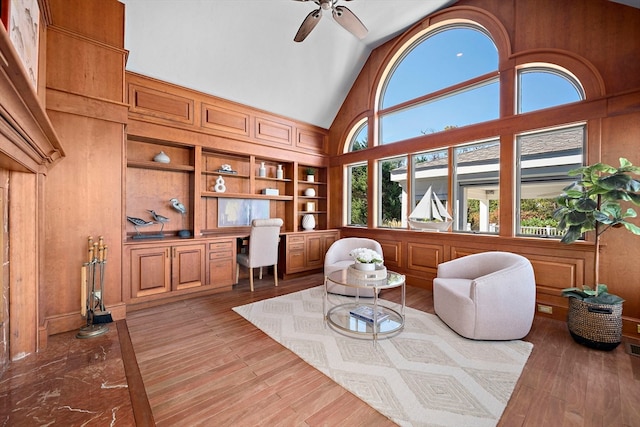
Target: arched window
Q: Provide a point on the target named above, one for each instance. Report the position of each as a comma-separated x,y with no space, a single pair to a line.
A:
542,87
359,137
446,79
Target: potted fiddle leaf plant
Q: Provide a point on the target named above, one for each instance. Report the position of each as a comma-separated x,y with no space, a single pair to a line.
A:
596,202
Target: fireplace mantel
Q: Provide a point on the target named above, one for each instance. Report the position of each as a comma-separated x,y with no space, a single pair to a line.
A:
28,141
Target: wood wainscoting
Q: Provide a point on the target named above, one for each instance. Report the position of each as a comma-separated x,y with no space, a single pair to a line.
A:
557,266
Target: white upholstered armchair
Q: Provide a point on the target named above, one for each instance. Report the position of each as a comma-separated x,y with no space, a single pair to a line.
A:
337,258
263,248
486,296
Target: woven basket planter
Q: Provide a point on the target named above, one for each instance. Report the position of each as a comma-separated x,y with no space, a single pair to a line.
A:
596,326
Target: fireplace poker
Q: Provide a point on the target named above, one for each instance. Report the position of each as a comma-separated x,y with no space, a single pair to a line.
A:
102,316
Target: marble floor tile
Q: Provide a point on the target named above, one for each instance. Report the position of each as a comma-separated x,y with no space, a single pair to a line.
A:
73,382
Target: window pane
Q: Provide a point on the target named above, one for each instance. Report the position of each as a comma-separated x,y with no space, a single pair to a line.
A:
544,160
392,179
430,181
477,187
478,104
360,139
442,59
540,89
357,197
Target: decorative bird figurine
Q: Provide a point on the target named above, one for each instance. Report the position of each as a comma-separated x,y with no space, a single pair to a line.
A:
157,216
139,222
178,206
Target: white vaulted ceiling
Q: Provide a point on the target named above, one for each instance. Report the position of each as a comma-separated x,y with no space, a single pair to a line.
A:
243,50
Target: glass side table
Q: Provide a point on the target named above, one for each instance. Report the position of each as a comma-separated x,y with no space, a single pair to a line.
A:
365,318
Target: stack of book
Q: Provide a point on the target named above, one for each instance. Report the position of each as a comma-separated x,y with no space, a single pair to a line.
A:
365,312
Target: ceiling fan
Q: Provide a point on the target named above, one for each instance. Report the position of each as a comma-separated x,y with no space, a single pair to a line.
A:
341,14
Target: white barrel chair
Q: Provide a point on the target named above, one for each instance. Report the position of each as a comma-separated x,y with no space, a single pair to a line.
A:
337,258
486,296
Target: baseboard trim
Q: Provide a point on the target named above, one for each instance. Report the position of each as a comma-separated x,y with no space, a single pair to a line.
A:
60,323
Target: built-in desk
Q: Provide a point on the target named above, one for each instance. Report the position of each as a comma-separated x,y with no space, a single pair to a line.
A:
167,268
163,269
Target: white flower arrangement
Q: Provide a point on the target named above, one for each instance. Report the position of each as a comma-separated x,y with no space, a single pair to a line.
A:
366,256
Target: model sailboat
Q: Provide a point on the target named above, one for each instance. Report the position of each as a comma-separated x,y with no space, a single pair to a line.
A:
430,214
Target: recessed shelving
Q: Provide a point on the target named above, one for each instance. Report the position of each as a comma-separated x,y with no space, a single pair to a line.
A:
245,196
140,164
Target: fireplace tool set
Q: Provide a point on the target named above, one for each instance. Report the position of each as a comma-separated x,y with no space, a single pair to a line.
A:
92,291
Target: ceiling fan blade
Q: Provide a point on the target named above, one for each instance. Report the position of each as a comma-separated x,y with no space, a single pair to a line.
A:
308,24
349,21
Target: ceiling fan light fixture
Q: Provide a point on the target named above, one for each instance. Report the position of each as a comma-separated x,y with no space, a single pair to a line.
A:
341,14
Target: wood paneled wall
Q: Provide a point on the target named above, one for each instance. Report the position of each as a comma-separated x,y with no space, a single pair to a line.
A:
95,106
85,59
599,41
162,111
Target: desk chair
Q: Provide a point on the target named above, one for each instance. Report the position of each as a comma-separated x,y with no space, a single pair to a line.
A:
263,248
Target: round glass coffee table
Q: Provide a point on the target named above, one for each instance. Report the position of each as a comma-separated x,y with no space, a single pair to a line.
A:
368,318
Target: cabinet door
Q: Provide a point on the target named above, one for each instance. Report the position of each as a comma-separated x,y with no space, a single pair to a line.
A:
188,267
150,271
327,240
222,261
315,250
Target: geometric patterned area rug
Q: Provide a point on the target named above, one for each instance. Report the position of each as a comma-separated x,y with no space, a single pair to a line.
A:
427,375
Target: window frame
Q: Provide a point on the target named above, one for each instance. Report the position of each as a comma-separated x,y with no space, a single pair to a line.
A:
548,69
348,190
517,214
507,124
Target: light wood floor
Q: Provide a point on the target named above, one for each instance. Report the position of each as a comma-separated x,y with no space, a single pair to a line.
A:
202,364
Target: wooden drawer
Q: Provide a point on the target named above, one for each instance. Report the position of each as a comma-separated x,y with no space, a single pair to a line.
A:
296,261
296,246
220,255
224,245
222,272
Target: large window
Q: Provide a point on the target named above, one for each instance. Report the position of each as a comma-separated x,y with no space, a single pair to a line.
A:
544,158
446,79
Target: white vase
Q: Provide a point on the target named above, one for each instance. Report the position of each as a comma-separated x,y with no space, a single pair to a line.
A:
262,171
310,192
364,266
161,157
308,222
311,178
279,172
